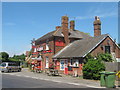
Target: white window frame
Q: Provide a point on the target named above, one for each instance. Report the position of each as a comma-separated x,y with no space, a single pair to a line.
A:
61,65
35,50
75,62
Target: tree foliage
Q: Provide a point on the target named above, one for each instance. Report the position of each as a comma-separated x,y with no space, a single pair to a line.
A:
4,56
18,58
93,66
106,57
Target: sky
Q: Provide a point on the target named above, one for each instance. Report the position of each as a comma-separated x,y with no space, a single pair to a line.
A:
23,21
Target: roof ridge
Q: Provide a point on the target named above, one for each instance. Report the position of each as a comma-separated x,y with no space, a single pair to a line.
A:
56,31
46,34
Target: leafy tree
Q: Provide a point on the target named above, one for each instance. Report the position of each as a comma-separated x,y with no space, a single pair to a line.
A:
89,56
18,57
106,57
93,67
4,56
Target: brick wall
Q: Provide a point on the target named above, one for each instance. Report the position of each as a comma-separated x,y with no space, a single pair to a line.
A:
100,49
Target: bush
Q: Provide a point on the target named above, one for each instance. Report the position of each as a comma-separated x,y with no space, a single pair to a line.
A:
4,56
92,69
105,57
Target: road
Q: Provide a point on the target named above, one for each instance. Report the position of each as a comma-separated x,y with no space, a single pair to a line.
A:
10,81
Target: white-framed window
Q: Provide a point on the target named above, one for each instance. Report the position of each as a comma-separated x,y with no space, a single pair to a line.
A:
62,64
35,50
47,62
107,49
74,62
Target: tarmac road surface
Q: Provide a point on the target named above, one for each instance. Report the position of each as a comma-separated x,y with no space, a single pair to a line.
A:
9,81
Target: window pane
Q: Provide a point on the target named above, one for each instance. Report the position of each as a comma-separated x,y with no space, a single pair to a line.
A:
107,49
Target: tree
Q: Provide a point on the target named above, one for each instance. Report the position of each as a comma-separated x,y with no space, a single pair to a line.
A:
94,65
106,57
92,69
4,56
18,58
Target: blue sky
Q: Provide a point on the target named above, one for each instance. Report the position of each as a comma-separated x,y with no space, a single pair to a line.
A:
21,22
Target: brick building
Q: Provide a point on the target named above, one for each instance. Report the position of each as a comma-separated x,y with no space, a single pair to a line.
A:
67,47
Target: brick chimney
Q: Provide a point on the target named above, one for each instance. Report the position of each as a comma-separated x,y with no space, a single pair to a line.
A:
72,25
65,30
57,27
97,26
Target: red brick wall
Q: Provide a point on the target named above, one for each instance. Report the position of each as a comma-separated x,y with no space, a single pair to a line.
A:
78,69
98,49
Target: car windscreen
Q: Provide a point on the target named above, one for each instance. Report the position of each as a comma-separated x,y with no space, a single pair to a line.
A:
3,64
13,64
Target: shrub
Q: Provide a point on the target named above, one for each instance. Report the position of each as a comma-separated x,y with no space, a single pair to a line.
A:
92,69
105,57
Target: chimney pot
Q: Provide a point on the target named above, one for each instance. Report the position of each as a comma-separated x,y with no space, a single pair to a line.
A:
97,26
57,27
72,24
64,22
65,30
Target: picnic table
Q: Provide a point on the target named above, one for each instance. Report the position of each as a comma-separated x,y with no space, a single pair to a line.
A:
52,72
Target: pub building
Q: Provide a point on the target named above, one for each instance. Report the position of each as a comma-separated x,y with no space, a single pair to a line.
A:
67,47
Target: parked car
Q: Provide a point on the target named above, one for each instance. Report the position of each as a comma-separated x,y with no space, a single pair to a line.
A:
10,66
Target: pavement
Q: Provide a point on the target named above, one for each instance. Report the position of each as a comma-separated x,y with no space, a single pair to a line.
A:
61,79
